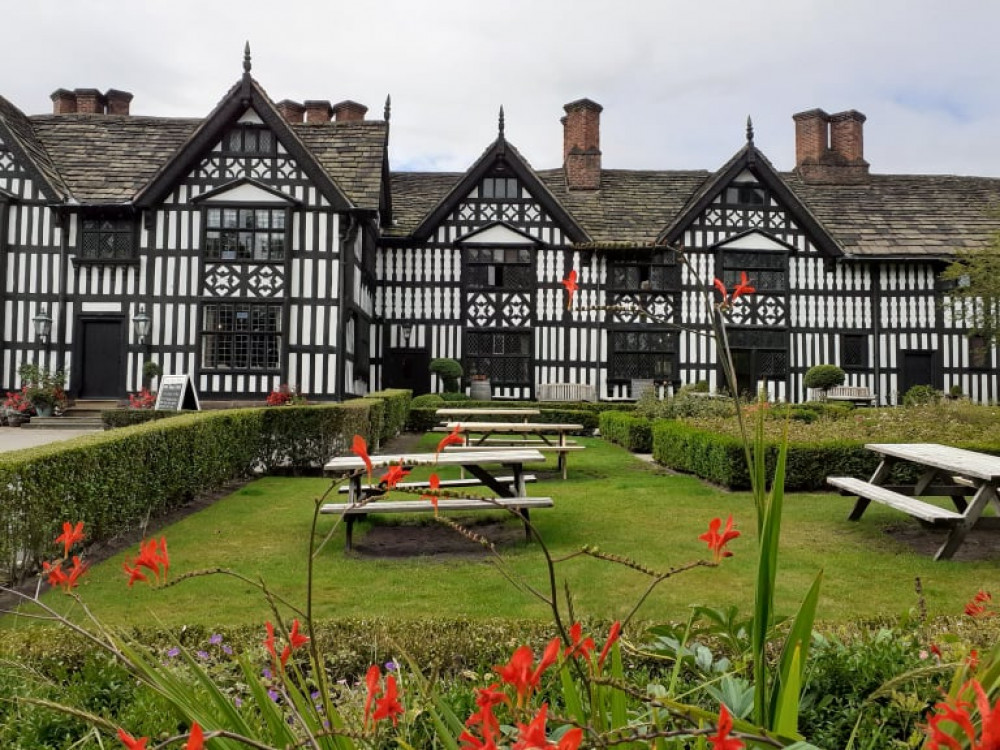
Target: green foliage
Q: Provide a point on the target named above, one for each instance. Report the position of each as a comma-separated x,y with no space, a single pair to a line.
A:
972,301
42,387
686,404
150,370
824,377
457,396
114,418
449,370
634,433
397,406
427,400
919,395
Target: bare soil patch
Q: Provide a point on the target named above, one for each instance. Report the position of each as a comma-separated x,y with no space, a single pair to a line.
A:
979,544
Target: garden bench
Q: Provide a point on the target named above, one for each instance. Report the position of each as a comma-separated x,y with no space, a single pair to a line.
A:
856,394
565,392
351,512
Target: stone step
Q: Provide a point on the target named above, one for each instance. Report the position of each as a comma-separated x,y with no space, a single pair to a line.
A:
91,407
63,423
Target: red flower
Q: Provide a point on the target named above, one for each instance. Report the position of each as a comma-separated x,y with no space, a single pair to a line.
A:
295,638
196,740
518,672
571,286
952,715
977,606
532,735
131,742
486,699
360,447
434,483
716,541
78,569
613,635
373,681
577,646
134,574
391,478
388,706
154,557
739,290
56,575
269,642
722,740
452,438
70,536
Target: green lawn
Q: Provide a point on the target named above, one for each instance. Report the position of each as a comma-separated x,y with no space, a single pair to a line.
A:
611,500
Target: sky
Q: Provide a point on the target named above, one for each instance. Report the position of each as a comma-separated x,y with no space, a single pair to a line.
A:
677,80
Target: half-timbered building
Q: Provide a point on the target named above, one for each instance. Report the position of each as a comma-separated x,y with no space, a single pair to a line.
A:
268,243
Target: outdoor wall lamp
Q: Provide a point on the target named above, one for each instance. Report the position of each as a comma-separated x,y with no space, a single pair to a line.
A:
43,324
407,330
142,325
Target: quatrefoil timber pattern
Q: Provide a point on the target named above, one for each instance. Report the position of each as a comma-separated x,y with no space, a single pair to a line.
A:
630,307
759,310
236,280
499,309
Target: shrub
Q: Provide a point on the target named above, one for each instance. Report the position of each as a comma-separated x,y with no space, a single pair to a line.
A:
114,418
427,400
458,396
824,377
150,370
397,407
285,395
449,370
919,395
634,433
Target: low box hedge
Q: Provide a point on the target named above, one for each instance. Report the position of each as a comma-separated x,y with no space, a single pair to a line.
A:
632,432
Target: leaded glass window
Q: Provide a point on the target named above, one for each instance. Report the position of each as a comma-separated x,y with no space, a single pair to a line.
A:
647,355
241,336
641,272
249,140
505,358
500,187
979,353
245,233
766,271
107,239
854,351
499,268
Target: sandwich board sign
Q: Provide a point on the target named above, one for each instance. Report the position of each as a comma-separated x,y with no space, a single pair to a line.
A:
177,393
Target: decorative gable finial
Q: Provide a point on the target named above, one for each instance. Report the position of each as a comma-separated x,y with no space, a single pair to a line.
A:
749,130
388,108
500,122
246,58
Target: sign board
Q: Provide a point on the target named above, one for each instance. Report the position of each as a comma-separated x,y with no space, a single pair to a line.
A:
176,393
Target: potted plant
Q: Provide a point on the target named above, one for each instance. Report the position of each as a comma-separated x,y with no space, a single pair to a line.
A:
16,408
43,388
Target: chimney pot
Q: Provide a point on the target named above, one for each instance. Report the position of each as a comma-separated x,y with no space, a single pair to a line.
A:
89,101
811,136
292,111
63,102
348,111
582,144
829,149
847,135
318,110
118,101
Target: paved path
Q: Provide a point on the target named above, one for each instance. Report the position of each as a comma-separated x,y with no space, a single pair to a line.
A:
15,438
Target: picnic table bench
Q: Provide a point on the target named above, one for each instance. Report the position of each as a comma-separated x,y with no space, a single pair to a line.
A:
363,502
550,437
487,412
959,473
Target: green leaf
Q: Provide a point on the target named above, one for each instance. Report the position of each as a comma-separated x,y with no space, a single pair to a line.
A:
791,667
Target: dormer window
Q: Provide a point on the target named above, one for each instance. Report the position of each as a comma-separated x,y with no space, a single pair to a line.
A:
500,187
249,140
107,238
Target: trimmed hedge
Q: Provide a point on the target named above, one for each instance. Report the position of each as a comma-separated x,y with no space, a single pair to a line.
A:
116,479
425,419
115,418
721,459
627,430
397,406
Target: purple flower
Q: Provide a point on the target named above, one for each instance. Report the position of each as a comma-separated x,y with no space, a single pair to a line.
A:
203,655
390,666
215,640
238,702
272,694
267,673
227,650
174,652
314,695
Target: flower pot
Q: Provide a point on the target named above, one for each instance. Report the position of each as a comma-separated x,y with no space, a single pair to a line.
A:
480,390
43,410
16,420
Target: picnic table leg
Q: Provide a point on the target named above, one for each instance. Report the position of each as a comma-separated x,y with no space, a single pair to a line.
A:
562,462
523,512
880,475
983,497
349,525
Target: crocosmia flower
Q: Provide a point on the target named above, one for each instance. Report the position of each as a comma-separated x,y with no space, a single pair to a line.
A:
388,706
196,739
70,536
392,477
452,438
613,635
951,724
738,291
130,742
433,484
717,541
360,448
977,606
571,286
721,740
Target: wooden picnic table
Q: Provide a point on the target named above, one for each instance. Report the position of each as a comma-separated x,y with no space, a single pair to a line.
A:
487,412
946,472
549,436
510,489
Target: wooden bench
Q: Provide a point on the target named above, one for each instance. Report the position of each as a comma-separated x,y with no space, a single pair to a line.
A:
565,392
444,484
867,492
562,450
856,394
352,512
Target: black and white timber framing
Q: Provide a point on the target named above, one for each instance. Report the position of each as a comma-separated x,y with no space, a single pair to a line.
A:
271,249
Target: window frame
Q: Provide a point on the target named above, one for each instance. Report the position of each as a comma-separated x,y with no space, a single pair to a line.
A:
471,362
667,355
474,257
851,366
980,359
125,226
214,338
244,130
238,231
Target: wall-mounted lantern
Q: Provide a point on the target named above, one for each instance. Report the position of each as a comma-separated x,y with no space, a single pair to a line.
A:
142,325
43,324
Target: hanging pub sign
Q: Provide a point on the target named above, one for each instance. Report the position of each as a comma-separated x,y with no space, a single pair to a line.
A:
177,393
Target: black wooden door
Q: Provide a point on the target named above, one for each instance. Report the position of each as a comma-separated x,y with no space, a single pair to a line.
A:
102,372
407,368
916,368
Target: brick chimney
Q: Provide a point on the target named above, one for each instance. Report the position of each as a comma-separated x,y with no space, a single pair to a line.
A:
118,101
318,110
829,149
291,111
582,144
348,111
63,102
89,101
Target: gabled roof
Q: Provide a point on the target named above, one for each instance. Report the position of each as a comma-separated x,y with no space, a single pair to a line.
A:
246,93
353,154
501,151
19,136
750,159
